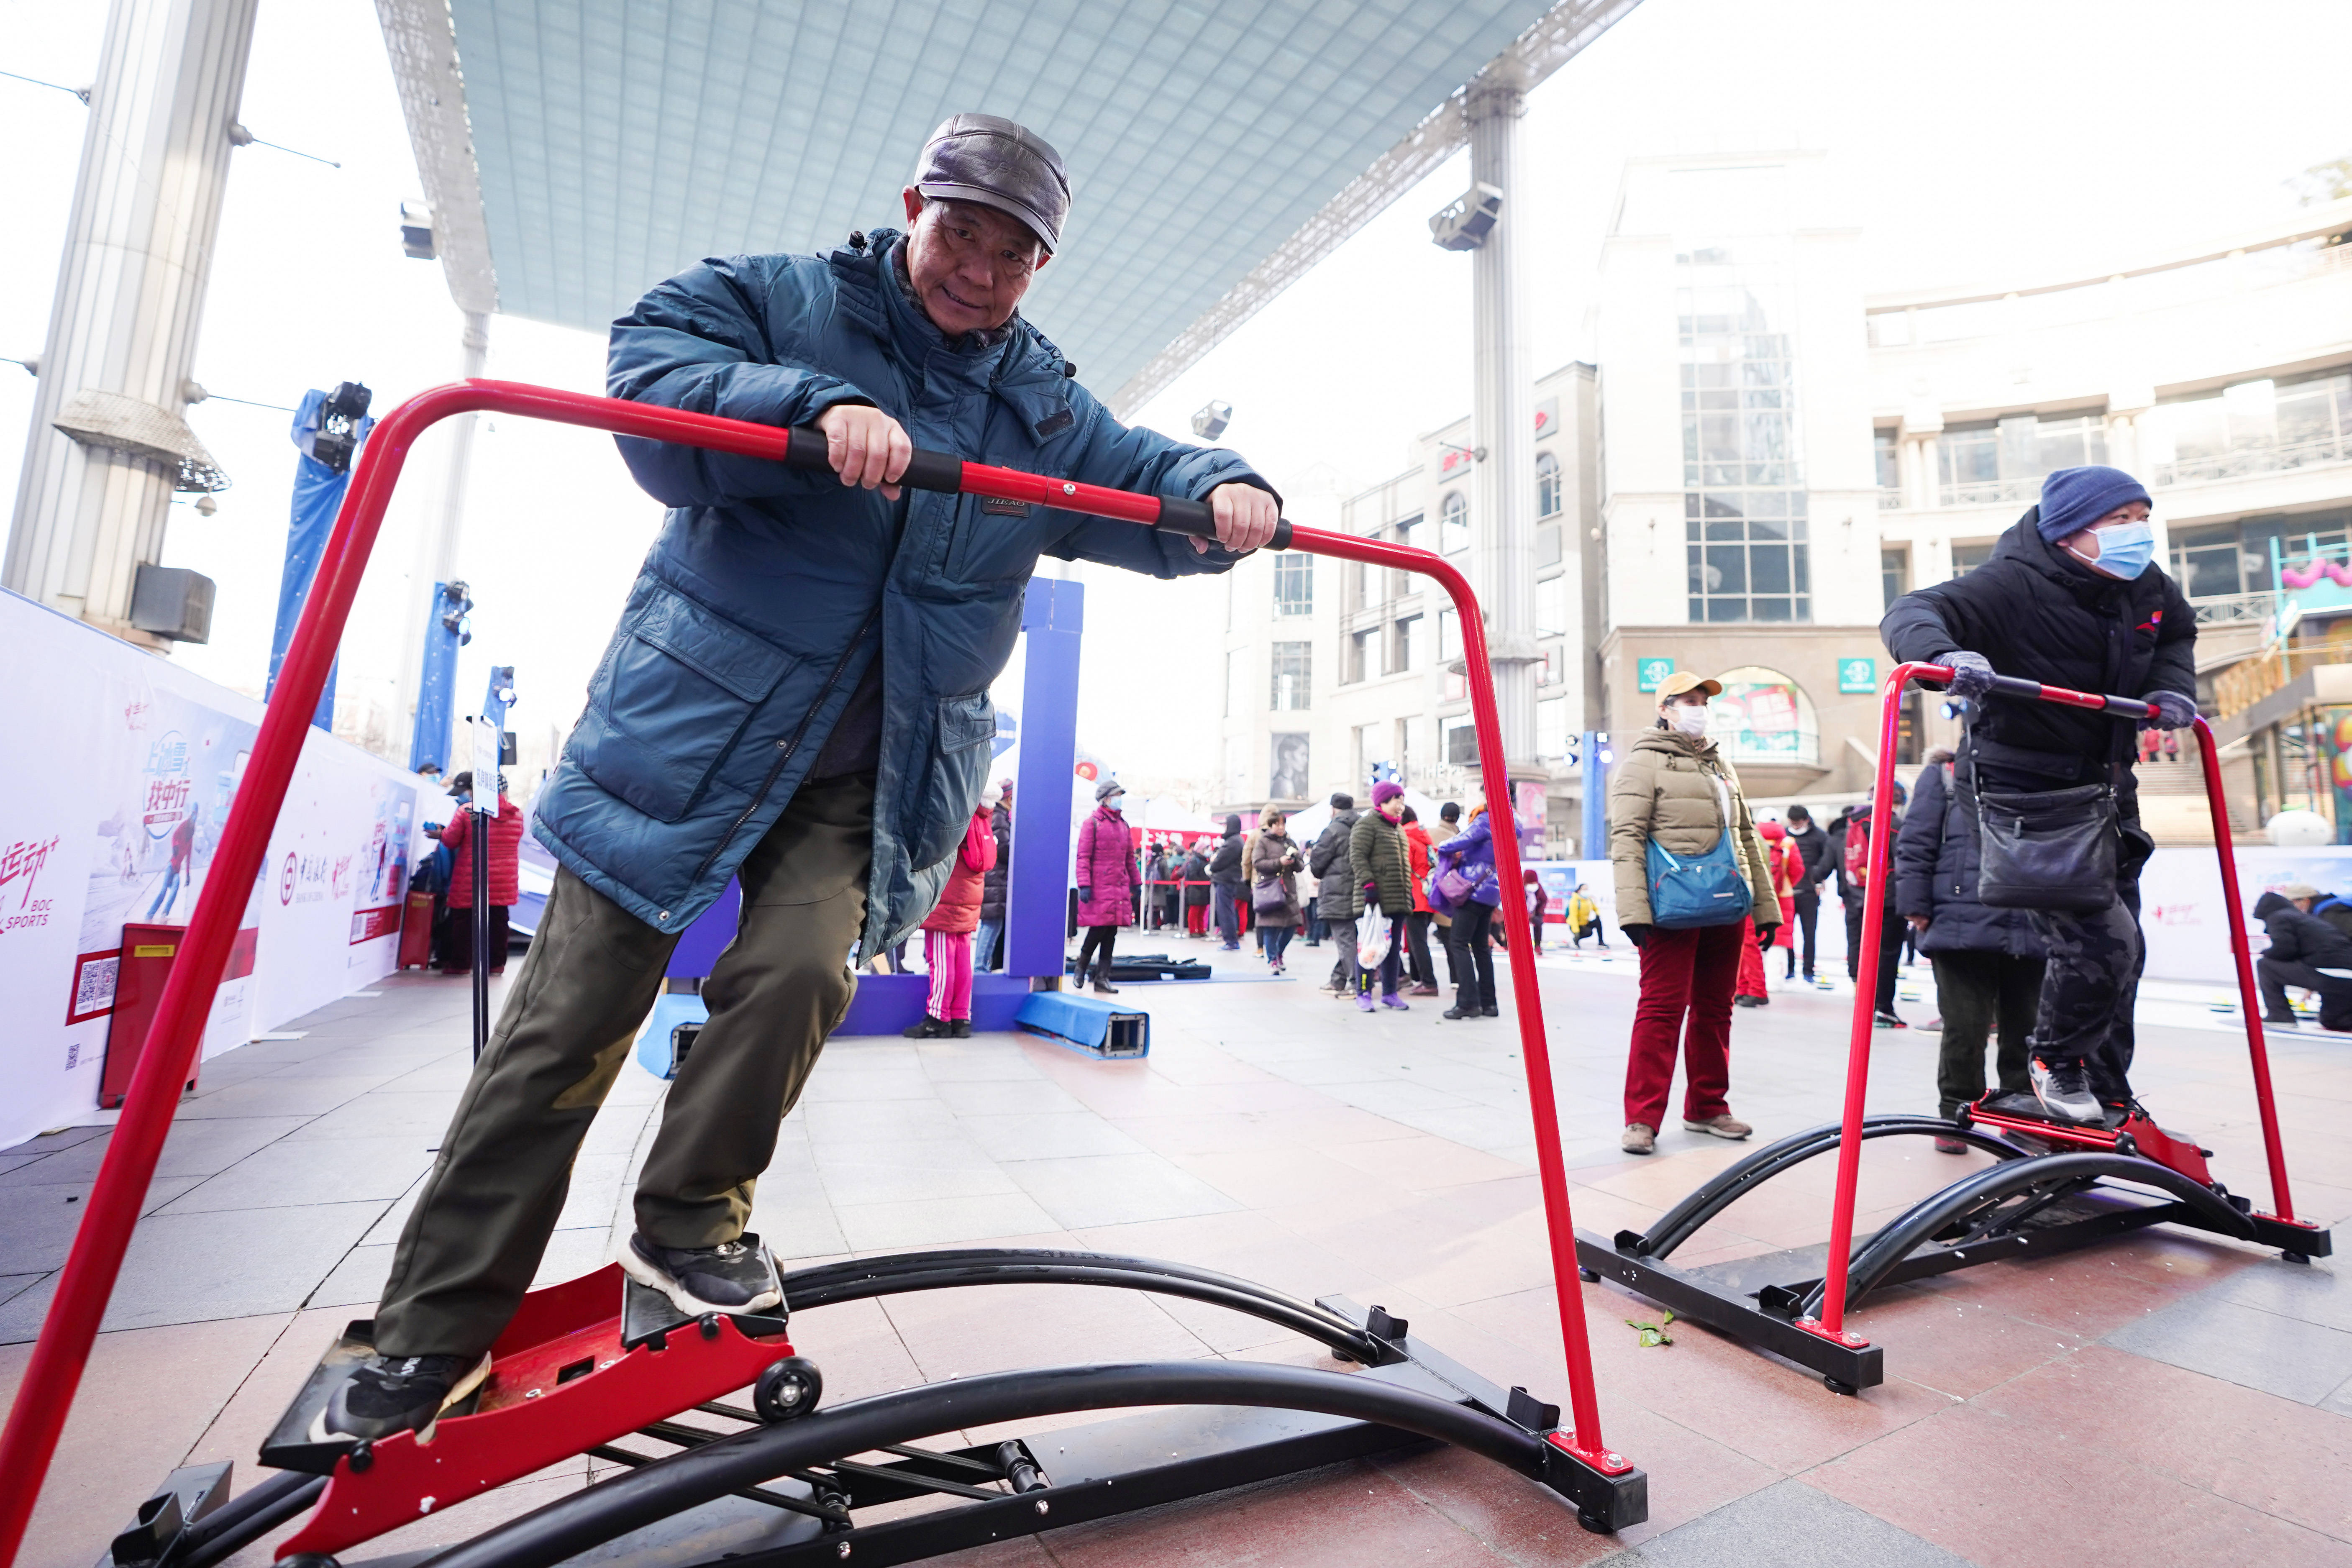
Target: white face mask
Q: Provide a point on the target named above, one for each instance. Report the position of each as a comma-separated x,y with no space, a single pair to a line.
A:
1688,718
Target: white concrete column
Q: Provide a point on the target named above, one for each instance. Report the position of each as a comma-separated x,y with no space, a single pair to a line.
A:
1503,544
129,298
436,550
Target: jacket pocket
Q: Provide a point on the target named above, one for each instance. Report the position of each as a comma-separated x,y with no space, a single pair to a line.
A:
670,702
959,765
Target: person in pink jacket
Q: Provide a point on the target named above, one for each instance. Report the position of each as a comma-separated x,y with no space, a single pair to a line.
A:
947,929
1105,874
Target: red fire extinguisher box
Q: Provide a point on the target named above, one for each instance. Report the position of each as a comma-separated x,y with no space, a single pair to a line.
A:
147,952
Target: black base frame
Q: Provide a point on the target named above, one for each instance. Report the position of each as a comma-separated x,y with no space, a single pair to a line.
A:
750,1491
2032,1202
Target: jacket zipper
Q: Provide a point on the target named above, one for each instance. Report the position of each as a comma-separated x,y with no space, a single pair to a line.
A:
786,750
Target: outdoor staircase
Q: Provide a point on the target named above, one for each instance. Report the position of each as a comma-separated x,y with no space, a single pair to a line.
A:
2172,801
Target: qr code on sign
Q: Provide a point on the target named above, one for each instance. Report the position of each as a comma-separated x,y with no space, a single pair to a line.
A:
94,986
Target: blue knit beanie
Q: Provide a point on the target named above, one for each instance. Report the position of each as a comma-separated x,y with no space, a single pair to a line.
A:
2073,499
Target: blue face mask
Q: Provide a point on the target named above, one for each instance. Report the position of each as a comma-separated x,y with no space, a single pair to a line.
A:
2125,550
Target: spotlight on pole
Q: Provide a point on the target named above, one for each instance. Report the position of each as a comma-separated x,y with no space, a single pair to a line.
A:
1211,421
1466,220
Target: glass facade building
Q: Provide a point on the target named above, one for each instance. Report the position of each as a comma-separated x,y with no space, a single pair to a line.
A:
1743,482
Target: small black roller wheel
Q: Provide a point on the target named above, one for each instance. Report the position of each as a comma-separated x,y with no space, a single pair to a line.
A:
1837,1386
1595,1523
788,1389
310,1560
1589,1275
2295,1256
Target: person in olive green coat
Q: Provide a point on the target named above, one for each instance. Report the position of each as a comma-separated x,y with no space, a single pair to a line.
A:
1673,786
1384,872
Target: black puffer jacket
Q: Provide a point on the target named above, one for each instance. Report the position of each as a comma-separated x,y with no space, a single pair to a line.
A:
2033,611
2299,938
1936,876
1227,867
1813,848
992,886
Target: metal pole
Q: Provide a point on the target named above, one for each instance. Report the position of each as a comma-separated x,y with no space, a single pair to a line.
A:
481,915
2250,1000
1832,1324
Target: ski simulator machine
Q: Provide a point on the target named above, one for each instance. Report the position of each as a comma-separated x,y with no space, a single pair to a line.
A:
597,1363
2053,1186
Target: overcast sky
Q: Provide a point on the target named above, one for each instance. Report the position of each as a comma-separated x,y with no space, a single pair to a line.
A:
1970,139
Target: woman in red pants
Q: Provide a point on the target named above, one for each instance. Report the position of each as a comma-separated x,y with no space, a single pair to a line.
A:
1672,786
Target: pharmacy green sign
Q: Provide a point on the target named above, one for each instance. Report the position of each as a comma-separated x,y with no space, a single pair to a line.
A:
1654,672
1858,675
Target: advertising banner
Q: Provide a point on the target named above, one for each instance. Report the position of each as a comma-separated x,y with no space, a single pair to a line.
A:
127,765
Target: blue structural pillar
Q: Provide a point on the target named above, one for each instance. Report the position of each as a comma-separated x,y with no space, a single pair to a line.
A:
1036,896
437,687
328,429
1593,844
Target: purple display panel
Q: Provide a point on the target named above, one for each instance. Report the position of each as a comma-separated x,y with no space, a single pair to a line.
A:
1037,889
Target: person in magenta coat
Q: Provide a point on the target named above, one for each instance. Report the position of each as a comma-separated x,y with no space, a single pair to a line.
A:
1105,874
947,929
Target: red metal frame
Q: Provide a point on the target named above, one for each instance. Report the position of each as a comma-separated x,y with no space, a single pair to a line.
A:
1831,1323
54,1371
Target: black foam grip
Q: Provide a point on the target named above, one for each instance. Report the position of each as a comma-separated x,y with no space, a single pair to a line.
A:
934,471
925,470
805,450
1197,517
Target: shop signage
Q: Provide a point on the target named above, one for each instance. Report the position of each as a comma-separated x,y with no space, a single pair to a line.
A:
1857,677
1654,672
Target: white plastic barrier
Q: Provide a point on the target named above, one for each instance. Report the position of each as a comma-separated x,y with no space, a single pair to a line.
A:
122,766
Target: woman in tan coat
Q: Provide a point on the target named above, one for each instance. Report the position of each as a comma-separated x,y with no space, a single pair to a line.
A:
1672,786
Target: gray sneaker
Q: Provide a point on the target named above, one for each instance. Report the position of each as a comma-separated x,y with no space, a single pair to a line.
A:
397,1393
1639,1139
1723,1126
734,1276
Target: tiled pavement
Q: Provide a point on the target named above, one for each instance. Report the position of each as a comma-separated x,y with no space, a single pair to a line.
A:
2165,1399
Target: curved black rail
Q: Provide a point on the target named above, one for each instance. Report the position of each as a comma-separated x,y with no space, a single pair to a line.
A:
247,1518
1892,1244
585,1519
1735,1182
902,1273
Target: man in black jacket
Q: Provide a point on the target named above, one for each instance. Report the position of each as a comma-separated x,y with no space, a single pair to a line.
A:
2070,598
1226,883
1332,863
1813,850
2306,950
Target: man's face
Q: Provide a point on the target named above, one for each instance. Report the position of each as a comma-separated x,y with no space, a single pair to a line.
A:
2303,904
970,264
2086,544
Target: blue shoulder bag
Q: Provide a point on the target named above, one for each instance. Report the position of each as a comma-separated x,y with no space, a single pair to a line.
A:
1689,890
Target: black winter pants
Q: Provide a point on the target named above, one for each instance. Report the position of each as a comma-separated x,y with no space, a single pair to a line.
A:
2335,994
1982,994
1890,952
1094,948
1424,973
2089,990
1809,915
1473,958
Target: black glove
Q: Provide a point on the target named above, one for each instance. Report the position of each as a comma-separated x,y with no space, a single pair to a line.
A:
1971,674
1085,894
1637,935
2173,711
1764,935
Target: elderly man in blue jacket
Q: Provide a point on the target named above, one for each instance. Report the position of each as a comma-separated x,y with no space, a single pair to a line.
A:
797,693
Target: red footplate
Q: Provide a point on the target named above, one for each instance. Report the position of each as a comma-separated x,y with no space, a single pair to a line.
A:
582,1364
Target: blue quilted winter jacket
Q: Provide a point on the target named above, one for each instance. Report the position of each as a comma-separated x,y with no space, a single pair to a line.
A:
770,591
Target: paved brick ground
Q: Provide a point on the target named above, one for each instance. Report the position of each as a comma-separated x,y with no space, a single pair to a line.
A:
2169,1398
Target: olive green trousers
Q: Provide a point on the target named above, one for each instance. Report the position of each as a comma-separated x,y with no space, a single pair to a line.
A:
482,1221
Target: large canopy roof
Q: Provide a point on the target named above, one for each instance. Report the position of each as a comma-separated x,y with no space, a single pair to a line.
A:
578,151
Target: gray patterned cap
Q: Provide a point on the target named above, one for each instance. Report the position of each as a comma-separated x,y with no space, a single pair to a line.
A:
985,158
